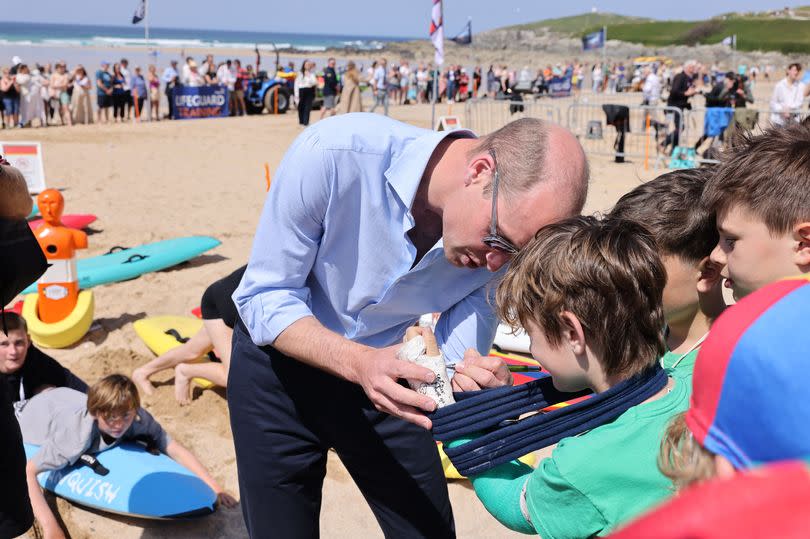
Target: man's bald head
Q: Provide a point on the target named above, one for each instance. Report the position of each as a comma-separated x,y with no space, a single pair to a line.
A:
529,152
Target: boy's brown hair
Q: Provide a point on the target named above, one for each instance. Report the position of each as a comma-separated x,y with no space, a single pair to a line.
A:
607,273
768,174
12,322
113,395
681,458
669,207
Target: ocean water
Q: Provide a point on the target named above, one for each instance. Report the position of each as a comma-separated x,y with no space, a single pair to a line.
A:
90,44
63,35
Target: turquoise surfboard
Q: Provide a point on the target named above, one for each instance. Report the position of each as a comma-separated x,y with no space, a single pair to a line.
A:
124,264
138,484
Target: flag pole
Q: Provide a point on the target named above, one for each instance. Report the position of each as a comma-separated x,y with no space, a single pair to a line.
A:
734,53
604,46
436,71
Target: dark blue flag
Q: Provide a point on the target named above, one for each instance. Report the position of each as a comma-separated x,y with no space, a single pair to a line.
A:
595,40
140,12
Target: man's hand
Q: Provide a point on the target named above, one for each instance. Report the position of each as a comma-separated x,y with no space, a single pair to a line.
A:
377,372
476,372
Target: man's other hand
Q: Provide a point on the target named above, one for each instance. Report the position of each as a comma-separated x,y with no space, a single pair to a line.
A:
476,372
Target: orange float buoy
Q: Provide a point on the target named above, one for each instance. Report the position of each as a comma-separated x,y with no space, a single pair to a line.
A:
58,287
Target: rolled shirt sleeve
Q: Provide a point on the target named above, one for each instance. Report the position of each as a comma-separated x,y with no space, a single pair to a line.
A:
273,293
471,320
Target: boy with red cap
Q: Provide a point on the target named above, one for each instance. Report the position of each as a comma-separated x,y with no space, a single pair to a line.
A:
748,408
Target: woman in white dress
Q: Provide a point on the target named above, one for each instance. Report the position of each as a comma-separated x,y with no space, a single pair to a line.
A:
31,104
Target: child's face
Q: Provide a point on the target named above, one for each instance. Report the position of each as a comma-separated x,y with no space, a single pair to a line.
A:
680,293
753,256
13,349
560,362
116,425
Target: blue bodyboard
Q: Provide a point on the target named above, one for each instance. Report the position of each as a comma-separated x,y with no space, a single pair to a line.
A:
127,264
138,484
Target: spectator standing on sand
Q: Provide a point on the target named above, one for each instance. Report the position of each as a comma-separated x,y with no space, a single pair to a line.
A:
350,98
104,90
81,103
239,87
226,77
153,81
379,84
788,95
305,84
139,91
683,88
10,90
330,89
170,79
59,92
126,87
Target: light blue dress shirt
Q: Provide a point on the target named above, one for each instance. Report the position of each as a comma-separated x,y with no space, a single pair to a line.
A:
332,243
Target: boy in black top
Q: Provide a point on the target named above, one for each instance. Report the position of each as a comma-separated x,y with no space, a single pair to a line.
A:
24,369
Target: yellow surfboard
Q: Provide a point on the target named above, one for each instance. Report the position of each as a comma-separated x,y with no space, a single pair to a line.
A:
160,334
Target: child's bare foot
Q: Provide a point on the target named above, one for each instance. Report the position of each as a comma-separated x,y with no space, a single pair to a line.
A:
182,385
139,377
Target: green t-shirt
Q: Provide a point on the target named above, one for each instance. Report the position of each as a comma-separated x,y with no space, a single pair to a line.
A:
685,366
604,477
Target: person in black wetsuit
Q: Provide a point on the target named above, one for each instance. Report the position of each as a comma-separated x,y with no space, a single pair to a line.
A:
219,316
24,369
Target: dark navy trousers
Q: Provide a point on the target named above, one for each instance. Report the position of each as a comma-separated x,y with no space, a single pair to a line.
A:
285,415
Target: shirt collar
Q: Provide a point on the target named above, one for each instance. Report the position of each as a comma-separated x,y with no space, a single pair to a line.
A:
407,168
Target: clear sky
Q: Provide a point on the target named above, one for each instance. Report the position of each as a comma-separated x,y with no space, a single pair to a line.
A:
400,18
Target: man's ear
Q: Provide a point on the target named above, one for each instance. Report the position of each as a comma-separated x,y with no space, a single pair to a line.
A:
481,168
573,334
801,232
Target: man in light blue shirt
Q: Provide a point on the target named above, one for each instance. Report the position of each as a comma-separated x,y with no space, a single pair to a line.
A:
380,86
370,223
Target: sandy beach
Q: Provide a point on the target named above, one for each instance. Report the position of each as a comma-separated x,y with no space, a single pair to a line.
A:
160,180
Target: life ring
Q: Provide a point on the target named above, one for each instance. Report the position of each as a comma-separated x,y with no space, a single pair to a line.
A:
65,332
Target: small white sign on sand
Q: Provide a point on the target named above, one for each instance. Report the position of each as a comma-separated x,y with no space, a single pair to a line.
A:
27,158
448,123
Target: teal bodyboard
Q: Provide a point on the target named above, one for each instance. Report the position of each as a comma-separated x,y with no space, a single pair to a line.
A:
128,264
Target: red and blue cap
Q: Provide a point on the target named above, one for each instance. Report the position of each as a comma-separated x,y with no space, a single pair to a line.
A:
750,401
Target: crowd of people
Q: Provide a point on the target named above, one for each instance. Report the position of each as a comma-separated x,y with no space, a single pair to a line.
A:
41,95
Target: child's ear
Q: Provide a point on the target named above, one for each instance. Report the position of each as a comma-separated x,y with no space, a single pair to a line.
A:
802,234
710,288
573,334
708,275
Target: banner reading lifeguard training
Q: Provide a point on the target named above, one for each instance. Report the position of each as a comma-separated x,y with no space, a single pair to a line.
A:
200,102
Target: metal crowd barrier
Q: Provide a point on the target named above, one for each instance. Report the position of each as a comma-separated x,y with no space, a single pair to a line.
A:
648,129
694,128
483,116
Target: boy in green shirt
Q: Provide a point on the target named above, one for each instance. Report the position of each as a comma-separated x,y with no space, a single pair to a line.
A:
669,207
588,293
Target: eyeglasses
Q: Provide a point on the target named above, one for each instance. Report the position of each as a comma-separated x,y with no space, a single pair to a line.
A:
494,240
